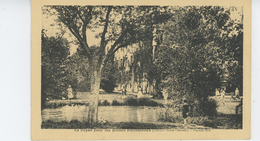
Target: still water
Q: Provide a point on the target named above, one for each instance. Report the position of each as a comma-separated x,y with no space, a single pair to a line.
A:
108,113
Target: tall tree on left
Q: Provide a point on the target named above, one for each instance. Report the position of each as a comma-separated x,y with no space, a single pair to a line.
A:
55,51
120,26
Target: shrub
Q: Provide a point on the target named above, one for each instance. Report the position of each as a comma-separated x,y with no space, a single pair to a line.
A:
147,102
116,103
207,107
104,103
130,101
54,104
157,94
107,85
170,115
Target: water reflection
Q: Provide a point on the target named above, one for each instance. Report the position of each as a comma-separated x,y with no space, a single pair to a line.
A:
109,113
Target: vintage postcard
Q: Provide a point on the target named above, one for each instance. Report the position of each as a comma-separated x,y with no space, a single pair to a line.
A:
141,70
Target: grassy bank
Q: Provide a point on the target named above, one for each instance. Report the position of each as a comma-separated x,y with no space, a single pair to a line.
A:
224,118
107,125
221,121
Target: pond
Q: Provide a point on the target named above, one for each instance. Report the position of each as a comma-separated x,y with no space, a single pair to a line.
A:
110,113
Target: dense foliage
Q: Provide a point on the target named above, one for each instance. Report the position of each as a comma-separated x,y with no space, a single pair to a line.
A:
200,45
77,72
110,76
55,51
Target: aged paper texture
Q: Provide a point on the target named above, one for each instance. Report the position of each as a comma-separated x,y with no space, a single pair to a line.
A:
140,70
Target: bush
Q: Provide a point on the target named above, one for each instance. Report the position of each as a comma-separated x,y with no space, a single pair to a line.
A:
207,107
130,101
200,111
107,85
116,103
157,94
170,114
55,104
147,102
104,103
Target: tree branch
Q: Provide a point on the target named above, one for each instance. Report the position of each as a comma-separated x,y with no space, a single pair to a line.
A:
88,16
81,18
85,45
119,39
84,26
105,28
114,47
75,31
85,23
121,46
103,42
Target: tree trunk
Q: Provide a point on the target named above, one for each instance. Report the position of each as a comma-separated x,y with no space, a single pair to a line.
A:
95,77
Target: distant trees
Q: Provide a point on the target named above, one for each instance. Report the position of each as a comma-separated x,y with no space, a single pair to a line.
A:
110,76
77,73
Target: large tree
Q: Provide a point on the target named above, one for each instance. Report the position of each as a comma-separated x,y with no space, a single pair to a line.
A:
121,26
200,44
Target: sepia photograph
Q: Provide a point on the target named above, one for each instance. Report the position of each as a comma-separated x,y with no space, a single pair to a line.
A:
175,69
